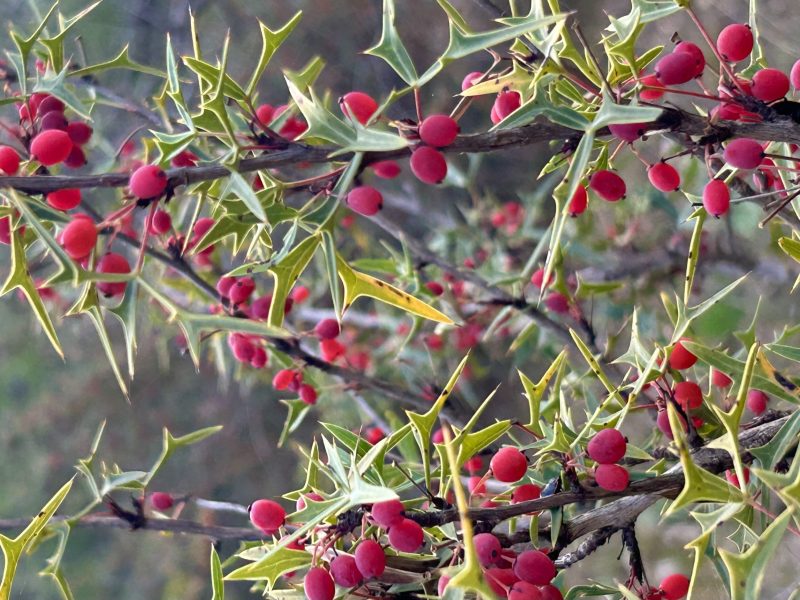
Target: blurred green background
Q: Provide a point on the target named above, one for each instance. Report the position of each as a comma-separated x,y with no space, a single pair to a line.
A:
50,410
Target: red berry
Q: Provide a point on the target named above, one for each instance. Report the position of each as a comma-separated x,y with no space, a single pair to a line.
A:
628,132
267,515
488,548
435,288
149,181
260,358
308,394
525,492
243,348
719,379
474,464
9,160
438,130
733,479
299,294
406,536
506,103
79,132
674,586
365,200
161,223
318,584
662,421
676,68
680,358
76,158
770,85
5,230
428,165
744,153
51,147
331,350
265,113
500,580
469,80
689,395
579,202
65,199
650,81
757,401
607,446
694,51
112,263
522,590
224,285
534,567
735,42
386,169
79,237
509,464
161,500
613,478
475,484
241,290
49,104
608,185
345,572
327,329
374,435
664,177
388,513
716,197
537,278
370,559
185,158
53,120
557,303
283,379
358,105
794,75
550,592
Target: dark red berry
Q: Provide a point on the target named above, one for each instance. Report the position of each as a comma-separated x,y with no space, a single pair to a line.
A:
51,147
757,401
365,200
9,160
148,181
550,592
318,584
557,303
628,132
428,165
674,586
161,500
697,55
522,590
49,104
327,329
386,169
308,393
676,68
488,548
53,120
438,130
508,464
608,185
613,478
716,197
344,571
770,85
537,278
79,237
534,567
370,559
664,177
243,349
76,158
79,132
112,263
435,288
607,446
744,153
578,203
680,358
653,82
241,290
267,515
388,513
283,379
735,42
65,199
732,478
688,394
260,358
358,105
406,536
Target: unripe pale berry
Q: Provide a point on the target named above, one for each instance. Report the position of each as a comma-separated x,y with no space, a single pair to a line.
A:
65,199
694,51
794,75
148,181
370,559
9,160
735,42
525,492
318,584
241,290
438,130
628,132
674,586
112,263
388,513
688,394
716,197
307,393
161,500
79,132
744,153
488,548
508,464
613,478
680,358
579,202
522,590
720,379
161,223
770,85
406,536
386,169
534,567
345,572
664,177
607,446
608,185
757,401
327,329
358,105
365,200
676,68
428,165
79,237
51,147
267,515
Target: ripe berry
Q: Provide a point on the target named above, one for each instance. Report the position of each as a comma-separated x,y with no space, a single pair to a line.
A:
51,147
557,303
438,130
76,158
386,169
680,358
149,181
770,85
428,165
474,464
265,113
550,592
522,590
607,446
307,393
224,285
112,263
49,104
720,379
260,358
185,158
534,567
283,378
650,81
53,120
613,478
370,559
664,177
757,401
525,492
794,75
674,586
241,290
358,105
327,329
345,572
79,132
243,349
79,237
537,278
733,479
506,103
469,80
676,68
688,394
65,199
579,202
161,223
628,132
161,500
267,515
744,153
388,513
331,350
716,197
694,51
365,200
475,484
735,42
406,536
318,584
608,185
662,421
5,230
488,548
9,160
508,464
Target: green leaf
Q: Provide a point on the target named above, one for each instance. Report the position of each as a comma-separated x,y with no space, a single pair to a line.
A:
771,453
217,585
25,45
286,273
244,191
270,42
170,444
212,76
297,412
694,253
281,560
391,49
121,61
534,392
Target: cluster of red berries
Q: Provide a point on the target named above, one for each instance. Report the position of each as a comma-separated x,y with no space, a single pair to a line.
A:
291,128
607,447
54,138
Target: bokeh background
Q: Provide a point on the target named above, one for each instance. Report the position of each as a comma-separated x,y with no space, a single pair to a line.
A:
50,410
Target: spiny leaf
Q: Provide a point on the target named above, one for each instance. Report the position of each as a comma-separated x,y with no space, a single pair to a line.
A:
391,49
286,273
270,42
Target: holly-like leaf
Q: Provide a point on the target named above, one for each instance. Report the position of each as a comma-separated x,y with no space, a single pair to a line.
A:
270,42
281,560
217,585
534,392
286,273
294,418
391,49
171,443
